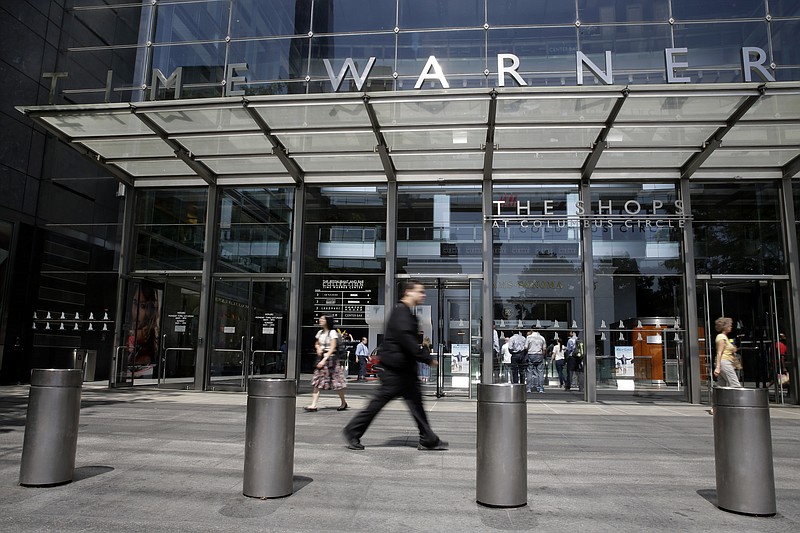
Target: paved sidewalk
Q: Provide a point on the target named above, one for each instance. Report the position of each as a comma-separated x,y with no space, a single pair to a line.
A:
172,461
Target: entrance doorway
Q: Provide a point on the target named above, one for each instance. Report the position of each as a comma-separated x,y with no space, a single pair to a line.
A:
759,312
450,320
249,332
160,332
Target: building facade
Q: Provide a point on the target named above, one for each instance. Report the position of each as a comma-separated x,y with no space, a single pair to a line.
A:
205,178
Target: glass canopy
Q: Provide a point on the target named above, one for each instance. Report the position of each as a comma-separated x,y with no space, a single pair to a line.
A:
450,135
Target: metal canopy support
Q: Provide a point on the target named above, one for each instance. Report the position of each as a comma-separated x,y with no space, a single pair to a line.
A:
715,141
117,172
490,147
380,147
791,168
487,297
601,143
180,152
691,343
278,150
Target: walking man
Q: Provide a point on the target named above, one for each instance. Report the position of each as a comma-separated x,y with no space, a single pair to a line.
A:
400,353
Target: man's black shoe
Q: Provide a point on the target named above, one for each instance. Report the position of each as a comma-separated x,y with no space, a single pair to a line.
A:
439,445
353,443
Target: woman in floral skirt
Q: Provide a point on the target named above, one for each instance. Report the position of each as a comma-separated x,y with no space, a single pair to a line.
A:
328,373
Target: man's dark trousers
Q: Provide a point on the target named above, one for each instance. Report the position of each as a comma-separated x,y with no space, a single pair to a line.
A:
394,384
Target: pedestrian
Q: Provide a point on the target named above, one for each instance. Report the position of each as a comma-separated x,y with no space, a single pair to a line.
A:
400,352
518,358
328,373
424,368
496,348
725,368
574,364
362,353
535,345
559,361
506,364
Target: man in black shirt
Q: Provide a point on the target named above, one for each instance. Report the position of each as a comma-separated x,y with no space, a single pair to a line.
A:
399,355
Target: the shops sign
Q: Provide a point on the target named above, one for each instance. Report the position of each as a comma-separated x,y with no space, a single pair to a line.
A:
626,214
753,60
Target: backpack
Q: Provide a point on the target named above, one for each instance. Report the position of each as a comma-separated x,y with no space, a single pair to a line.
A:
578,352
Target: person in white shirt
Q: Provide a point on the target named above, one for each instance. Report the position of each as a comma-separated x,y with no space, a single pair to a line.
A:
362,353
535,345
505,368
559,360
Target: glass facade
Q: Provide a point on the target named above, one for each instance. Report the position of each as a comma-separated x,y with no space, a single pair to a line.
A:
563,201
284,43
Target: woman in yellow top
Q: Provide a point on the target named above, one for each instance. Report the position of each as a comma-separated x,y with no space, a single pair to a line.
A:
726,354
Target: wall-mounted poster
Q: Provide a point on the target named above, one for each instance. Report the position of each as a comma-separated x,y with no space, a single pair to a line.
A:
144,324
623,361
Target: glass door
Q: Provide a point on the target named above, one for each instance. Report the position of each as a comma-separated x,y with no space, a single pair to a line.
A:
180,314
758,311
250,324
450,322
160,333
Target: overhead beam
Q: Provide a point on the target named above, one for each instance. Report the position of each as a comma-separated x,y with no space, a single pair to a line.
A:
715,141
115,171
381,146
602,143
490,146
791,168
180,151
278,149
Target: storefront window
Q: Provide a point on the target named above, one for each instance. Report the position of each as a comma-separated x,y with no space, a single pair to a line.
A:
637,231
737,229
344,265
439,230
255,230
537,261
170,229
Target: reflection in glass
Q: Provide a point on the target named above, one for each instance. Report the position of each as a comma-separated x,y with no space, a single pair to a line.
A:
627,243
351,16
458,53
737,229
440,13
716,9
345,229
784,42
713,45
191,21
273,60
257,18
541,52
537,228
201,64
635,47
169,229
255,230
439,230
359,48
631,11
638,284
517,12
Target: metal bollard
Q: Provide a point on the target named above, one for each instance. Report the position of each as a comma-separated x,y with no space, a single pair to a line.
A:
743,451
502,461
269,438
51,428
